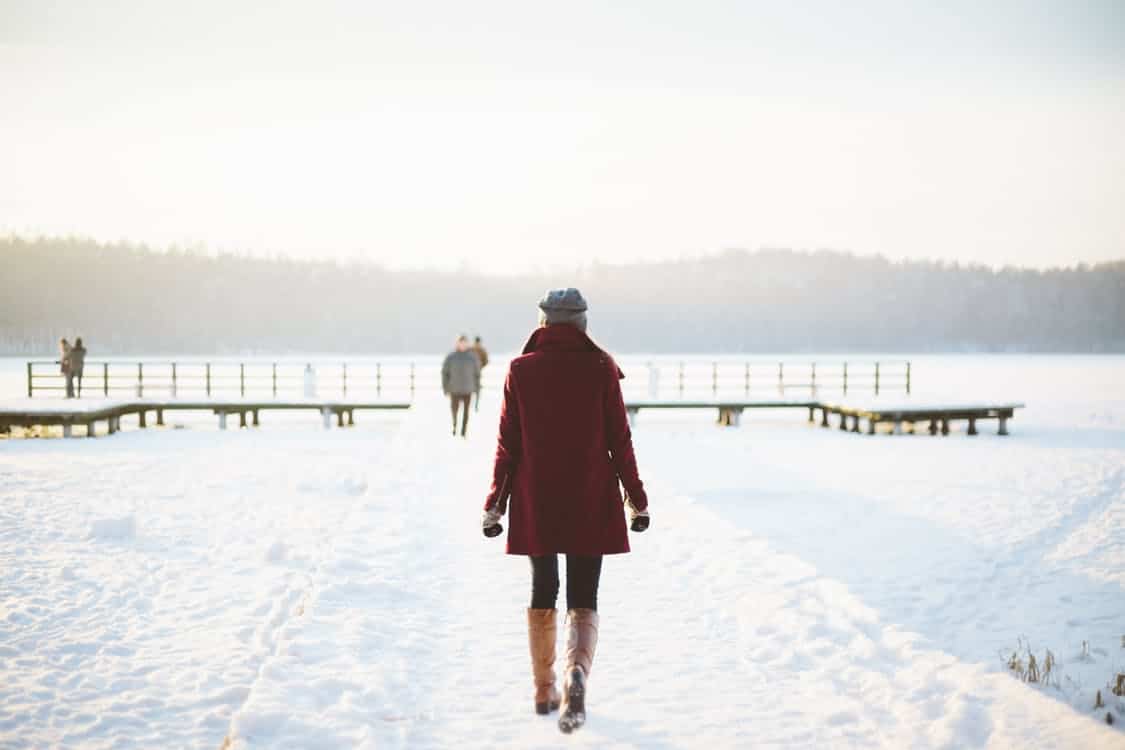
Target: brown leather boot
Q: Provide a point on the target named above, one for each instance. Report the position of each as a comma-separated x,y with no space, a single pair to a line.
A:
542,630
581,641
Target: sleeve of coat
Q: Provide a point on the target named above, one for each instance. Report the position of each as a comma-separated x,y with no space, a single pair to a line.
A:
445,376
507,444
620,439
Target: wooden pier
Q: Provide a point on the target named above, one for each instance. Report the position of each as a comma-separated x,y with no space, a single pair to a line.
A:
69,415
938,416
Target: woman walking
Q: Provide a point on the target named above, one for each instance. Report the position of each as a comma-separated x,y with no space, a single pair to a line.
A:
64,366
564,446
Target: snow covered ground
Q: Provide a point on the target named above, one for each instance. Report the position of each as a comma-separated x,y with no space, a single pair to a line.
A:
291,587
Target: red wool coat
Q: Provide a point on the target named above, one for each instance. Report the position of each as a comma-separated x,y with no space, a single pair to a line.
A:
564,445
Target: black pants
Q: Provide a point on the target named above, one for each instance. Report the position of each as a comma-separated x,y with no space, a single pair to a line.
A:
462,400
582,576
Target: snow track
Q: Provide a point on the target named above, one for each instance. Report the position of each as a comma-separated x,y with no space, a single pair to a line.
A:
297,589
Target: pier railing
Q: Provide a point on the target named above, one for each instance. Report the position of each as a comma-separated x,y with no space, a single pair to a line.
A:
653,379
727,378
229,379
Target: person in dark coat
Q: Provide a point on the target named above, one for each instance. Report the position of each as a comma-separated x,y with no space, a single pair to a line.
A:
460,379
564,451
77,362
482,357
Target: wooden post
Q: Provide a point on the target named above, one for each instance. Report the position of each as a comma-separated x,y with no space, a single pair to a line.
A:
843,421
339,417
855,423
1003,425
29,388
160,417
714,379
208,375
274,378
173,382
972,425
256,422
242,418
907,378
242,385
933,426
379,380
823,416
140,380
66,432
105,378
91,429
812,413
345,376
944,426
845,378
142,419
351,418
876,378
871,425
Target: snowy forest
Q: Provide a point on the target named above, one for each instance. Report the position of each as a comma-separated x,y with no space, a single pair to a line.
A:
125,299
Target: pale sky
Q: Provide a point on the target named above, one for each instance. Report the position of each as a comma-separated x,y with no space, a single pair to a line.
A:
509,136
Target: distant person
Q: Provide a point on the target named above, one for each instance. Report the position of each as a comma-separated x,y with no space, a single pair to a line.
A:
562,416
77,363
64,366
460,379
482,357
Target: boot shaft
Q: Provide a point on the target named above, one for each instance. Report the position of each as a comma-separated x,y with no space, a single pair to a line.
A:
542,635
582,639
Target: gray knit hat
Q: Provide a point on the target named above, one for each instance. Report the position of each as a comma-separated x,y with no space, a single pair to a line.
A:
563,306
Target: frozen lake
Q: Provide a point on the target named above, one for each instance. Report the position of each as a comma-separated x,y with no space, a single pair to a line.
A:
291,587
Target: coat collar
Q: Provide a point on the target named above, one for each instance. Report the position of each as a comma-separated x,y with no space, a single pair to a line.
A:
565,338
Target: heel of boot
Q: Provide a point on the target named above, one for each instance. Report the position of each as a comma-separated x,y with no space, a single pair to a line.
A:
574,714
551,704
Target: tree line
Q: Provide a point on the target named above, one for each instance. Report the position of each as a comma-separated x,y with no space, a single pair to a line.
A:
130,299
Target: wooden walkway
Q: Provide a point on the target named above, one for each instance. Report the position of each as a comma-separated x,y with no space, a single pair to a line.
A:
938,416
900,417
88,416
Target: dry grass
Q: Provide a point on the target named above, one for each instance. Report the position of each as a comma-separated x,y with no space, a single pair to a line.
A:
1024,665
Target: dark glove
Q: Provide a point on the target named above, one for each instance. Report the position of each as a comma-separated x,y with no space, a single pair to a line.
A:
638,519
490,523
